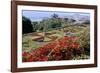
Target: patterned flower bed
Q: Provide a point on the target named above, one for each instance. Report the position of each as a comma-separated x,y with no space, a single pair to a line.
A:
65,48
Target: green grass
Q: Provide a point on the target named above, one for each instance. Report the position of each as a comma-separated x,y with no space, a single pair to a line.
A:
57,33
75,28
46,39
28,44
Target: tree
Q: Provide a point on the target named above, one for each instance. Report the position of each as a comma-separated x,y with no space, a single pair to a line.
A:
35,26
56,21
26,25
66,19
54,16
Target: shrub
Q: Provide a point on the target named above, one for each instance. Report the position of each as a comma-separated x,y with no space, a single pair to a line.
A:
84,40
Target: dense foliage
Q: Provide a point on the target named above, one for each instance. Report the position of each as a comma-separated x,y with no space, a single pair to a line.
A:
54,22
27,26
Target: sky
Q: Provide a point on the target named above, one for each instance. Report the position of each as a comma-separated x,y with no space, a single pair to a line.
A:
34,15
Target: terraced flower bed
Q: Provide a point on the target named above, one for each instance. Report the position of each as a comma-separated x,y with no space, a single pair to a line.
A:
66,48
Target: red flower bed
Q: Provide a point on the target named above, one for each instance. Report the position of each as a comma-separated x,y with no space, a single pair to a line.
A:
61,49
